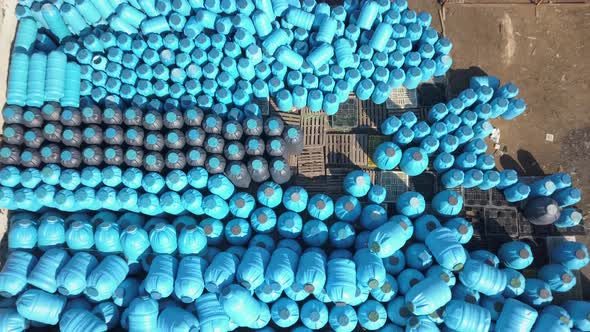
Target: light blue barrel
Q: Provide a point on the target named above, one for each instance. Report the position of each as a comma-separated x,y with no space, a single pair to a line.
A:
357,183
173,318
311,272
211,315
269,194
516,255
410,204
453,178
516,316
192,240
142,314
106,277
515,283
494,305
26,33
397,311
461,228
561,180
16,268
55,76
106,237
447,203
159,282
55,21
280,271
22,235
569,217
390,237
250,271
314,314
78,319
340,284
284,312
551,322
11,320
567,196
221,272
126,292
347,208
447,250
446,275
189,283
427,295
44,274
239,304
16,91
558,277
464,293
36,79
483,278
134,242
464,316
373,216
41,307
578,311
80,236
163,239
387,156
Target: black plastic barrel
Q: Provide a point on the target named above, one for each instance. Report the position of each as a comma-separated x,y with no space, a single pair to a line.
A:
133,157
92,155
134,136
32,118
9,155
51,112
92,134
70,158
91,114
50,153
113,155
30,158
52,132
12,114
112,115
215,164
280,171
152,120
154,141
153,162
293,137
237,173
195,136
193,117
175,139
71,117
276,147
173,119
234,150
212,124
175,159
71,136
273,126
33,138
254,146
214,143
196,156
232,130
13,134
113,135
258,169
252,125
542,211
133,116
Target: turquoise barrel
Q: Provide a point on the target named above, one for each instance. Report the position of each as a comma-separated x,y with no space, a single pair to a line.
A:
16,91
447,203
36,79
159,282
464,293
11,176
320,206
573,255
515,283
347,208
395,263
211,315
106,277
551,322
397,312
569,217
284,312
424,225
340,284
267,293
126,292
269,194
370,271
386,291
79,320
536,293
447,250
221,186
373,216
299,18
44,274
295,198
106,237
516,255
561,180
446,275
213,230
517,192
237,231
14,273
134,242
41,307
558,277
483,278
387,156
578,311
289,225
311,271
377,194
389,237
142,314
464,316
189,283
315,233
341,235
414,161
427,295
242,204
357,183
22,235
11,320
494,305
71,279
239,304
55,76
174,318
220,272
443,162
192,240
26,33
516,316
461,228
163,239
263,220
490,180
567,196
250,271
410,204
80,236
371,315
55,22
280,271
314,314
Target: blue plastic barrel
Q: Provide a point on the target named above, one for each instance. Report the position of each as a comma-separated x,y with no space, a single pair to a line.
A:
573,255
126,292
447,250
80,236
295,198
163,239
515,283
464,316
578,311
71,279
315,233
142,314
106,277
427,295
221,272
516,316
516,255
340,286
211,314
159,282
357,183
106,237
388,238
11,320
347,208
558,277
239,304
370,271
22,235
250,271
447,203
569,217
51,232
536,293
16,268
483,278
314,314
78,319
39,306
373,216
189,283
173,318
341,235
44,274
387,156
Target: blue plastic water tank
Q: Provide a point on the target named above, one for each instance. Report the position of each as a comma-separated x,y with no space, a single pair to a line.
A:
558,277
71,279
573,255
388,238
482,277
39,306
357,183
22,235
220,272
536,293
395,263
142,314
173,318
427,295
44,274
347,208
410,204
373,216
447,250
515,283
386,291
16,268
516,316
340,285
371,315
447,203
211,315
106,277
78,319
463,316
314,314
578,311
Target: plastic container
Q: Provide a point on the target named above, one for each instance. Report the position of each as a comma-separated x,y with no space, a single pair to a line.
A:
372,315
516,255
163,239
235,299
280,271
16,268
172,318
314,314
80,235
447,203
221,272
370,271
579,313
141,315
39,306
159,282
414,161
387,156
516,316
105,278
447,250
558,277
573,255
484,278
22,235
463,316
210,313
51,232
388,238
71,279
427,296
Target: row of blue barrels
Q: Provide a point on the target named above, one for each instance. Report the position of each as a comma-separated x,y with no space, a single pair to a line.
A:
388,49
423,295
38,78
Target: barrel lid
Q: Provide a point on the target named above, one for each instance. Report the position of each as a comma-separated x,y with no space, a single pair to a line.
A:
92,291
320,204
406,311
284,313
566,278
268,192
463,229
580,254
470,299
498,306
544,293
208,229
417,156
453,200
515,282
262,218
348,206
236,230
523,253
295,197
376,248
373,316
314,316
